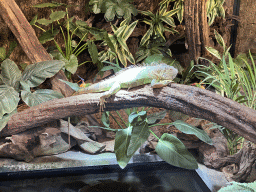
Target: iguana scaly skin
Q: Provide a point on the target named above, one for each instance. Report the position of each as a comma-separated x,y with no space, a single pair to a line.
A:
159,75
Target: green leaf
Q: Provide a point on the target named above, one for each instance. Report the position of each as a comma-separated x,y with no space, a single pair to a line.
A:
147,35
156,58
105,119
130,57
35,74
34,20
72,64
108,41
189,129
13,45
92,48
174,152
39,96
50,5
11,74
220,40
44,21
122,141
57,15
73,86
134,116
140,134
152,118
128,30
2,53
214,52
119,11
110,14
9,99
48,35
5,119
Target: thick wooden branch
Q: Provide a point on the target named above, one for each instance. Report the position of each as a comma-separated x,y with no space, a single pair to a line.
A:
190,100
197,28
25,34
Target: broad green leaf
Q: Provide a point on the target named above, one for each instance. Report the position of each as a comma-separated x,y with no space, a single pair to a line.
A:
24,86
140,134
119,11
133,117
73,86
48,35
44,21
214,52
10,73
2,53
5,119
110,14
39,96
72,64
189,129
152,118
35,74
50,5
122,141
9,99
174,152
92,48
57,15
156,58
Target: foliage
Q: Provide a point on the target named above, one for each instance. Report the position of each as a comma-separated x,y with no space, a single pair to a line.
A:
169,148
235,186
214,8
112,8
156,24
233,78
15,82
72,48
118,39
4,54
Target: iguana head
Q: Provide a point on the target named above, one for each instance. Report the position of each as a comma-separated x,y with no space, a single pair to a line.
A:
168,73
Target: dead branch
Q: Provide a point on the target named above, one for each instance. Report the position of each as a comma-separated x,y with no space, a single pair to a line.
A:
189,100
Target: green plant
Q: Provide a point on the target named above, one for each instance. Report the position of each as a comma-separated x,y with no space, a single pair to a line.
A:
4,54
112,8
169,148
72,48
215,8
118,39
156,24
15,82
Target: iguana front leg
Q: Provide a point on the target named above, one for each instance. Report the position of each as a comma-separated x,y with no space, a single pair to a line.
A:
160,83
115,88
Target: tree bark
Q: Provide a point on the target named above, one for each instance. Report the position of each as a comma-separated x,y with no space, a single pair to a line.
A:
197,28
189,100
25,34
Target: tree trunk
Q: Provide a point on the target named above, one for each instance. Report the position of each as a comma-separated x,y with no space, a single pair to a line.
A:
197,28
20,27
189,100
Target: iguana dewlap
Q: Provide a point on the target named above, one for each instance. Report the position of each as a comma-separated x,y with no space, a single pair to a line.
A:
159,75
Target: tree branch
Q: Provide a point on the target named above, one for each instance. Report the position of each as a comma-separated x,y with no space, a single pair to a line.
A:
189,100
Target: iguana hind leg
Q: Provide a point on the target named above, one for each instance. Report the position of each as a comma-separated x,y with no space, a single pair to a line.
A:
115,88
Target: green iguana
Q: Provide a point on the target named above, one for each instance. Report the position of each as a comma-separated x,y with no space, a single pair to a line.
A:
159,75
